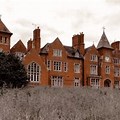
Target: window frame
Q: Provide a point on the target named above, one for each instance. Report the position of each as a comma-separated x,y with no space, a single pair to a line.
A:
94,69
34,72
77,67
76,82
57,66
57,52
56,81
107,69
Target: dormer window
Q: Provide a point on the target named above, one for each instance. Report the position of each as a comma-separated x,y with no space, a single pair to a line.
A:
77,54
57,52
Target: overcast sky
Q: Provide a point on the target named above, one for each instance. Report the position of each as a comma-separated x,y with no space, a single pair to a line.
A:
62,19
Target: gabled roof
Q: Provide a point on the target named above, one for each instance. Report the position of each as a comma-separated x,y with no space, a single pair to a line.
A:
3,28
89,48
71,52
45,49
104,43
18,47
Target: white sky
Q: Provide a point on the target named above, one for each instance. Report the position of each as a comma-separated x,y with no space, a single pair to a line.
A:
62,18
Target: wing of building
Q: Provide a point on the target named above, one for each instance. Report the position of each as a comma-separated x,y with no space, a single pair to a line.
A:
57,65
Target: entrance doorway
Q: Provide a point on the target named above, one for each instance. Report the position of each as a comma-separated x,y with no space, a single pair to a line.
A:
107,83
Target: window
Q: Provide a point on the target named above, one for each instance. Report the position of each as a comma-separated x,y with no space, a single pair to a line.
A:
57,66
65,67
116,84
56,81
77,68
48,64
93,69
107,69
0,39
3,39
117,71
94,82
77,54
34,72
116,61
94,58
76,82
20,55
6,40
57,52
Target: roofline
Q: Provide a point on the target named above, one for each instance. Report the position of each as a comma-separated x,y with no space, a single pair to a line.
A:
6,32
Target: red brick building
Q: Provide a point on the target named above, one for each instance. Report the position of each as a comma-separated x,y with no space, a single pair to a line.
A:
58,65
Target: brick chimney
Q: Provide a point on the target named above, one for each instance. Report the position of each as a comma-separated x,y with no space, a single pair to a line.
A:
78,42
29,45
37,39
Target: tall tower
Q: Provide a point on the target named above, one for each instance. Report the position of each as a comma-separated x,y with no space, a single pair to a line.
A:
5,36
106,69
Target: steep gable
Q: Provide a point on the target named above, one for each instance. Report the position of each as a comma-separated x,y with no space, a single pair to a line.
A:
70,51
3,28
18,47
33,57
91,50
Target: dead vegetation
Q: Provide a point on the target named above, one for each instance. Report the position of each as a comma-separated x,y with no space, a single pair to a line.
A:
44,103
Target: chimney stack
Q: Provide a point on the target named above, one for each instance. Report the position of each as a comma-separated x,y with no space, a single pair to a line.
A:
78,42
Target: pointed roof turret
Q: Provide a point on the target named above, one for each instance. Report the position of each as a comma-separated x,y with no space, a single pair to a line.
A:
3,28
104,43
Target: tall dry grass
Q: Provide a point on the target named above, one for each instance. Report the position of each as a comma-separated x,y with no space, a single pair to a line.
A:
44,103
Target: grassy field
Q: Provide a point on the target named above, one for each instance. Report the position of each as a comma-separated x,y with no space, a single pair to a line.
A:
44,103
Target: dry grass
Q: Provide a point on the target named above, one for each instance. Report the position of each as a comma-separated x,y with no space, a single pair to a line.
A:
44,103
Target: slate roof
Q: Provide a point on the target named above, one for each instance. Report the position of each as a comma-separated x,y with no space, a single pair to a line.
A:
70,50
104,43
3,28
45,49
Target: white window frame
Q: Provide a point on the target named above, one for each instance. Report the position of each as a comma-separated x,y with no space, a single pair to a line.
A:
116,61
95,82
56,81
117,72
65,66
107,69
57,52
76,68
57,66
76,82
94,57
94,69
34,72
117,84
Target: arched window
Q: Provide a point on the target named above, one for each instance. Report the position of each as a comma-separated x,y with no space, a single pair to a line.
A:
33,71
